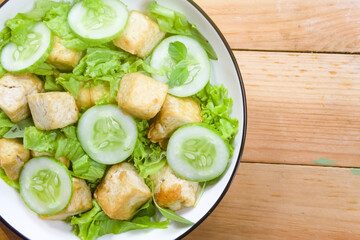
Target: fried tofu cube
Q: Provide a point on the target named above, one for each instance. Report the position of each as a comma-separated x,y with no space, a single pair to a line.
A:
12,157
122,192
88,96
141,96
63,160
13,91
140,35
83,99
53,110
173,192
175,113
98,92
81,201
63,58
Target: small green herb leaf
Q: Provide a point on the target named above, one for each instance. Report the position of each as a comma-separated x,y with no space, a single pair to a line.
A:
177,51
172,215
178,76
17,131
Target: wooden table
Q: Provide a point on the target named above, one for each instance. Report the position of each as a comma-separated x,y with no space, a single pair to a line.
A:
299,176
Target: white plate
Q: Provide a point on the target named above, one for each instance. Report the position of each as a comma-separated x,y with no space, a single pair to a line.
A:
225,71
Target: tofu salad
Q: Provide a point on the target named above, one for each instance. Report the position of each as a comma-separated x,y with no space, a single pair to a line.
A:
108,118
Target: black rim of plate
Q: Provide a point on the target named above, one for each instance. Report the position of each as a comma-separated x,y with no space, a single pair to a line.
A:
242,140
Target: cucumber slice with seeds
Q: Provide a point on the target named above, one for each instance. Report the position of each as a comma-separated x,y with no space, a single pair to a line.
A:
98,27
34,51
197,153
106,134
45,185
199,70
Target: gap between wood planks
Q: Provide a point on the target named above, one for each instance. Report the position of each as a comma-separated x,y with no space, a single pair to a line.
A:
302,107
289,51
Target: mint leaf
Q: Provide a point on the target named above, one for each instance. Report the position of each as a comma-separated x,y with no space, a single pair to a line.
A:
177,51
17,131
178,76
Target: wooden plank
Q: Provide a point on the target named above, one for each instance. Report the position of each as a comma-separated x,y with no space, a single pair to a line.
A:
291,25
276,202
7,234
302,107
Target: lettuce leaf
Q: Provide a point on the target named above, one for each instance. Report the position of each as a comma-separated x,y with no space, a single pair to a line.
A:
8,181
64,143
216,107
51,85
95,223
5,36
107,66
40,141
5,123
56,20
20,27
83,166
41,8
174,22
148,157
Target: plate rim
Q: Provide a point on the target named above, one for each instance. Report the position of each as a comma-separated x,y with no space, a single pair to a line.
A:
244,127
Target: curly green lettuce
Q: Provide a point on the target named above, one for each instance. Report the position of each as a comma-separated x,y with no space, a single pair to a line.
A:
216,107
148,157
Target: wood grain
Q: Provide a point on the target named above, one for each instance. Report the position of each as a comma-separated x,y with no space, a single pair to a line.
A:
288,25
277,202
302,107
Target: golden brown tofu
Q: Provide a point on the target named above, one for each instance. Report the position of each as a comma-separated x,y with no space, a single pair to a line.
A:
175,113
141,96
122,192
53,110
63,58
81,201
140,35
64,160
173,192
13,91
12,157
98,92
83,99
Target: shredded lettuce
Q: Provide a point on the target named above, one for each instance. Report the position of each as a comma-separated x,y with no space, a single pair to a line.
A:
5,123
216,107
174,22
8,181
95,223
148,157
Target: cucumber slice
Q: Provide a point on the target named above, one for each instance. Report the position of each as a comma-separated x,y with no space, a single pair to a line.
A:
199,71
197,153
95,27
33,52
45,185
106,134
